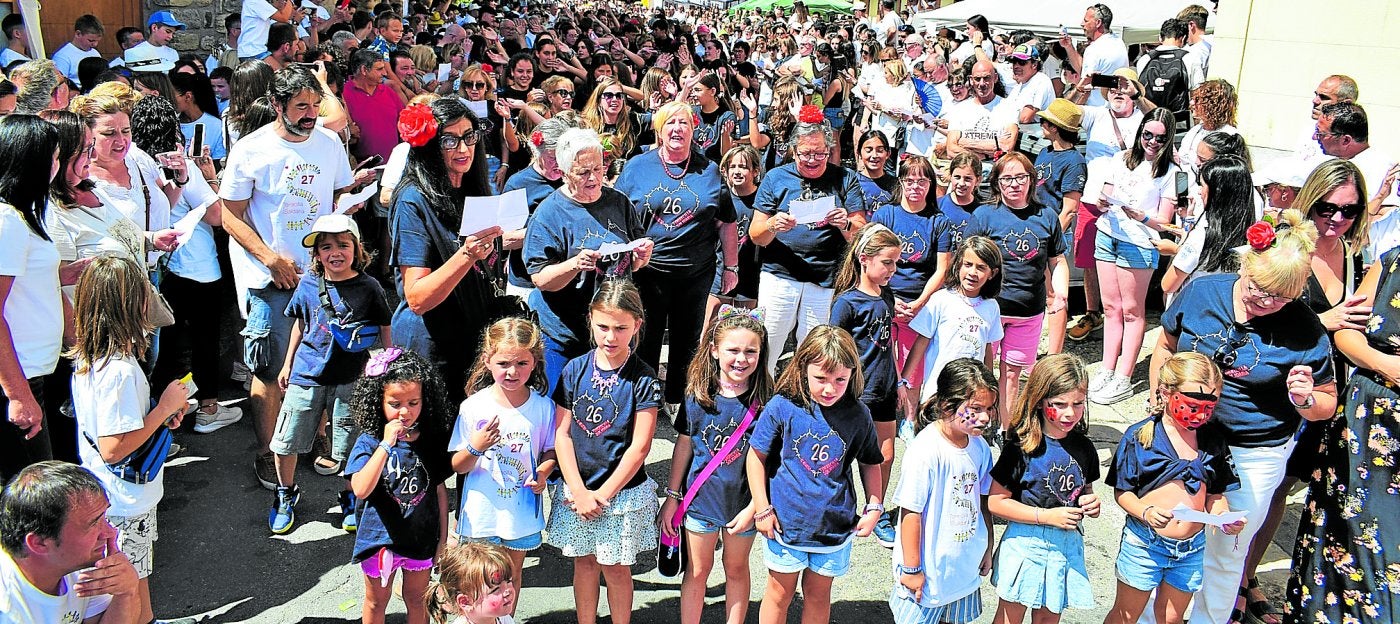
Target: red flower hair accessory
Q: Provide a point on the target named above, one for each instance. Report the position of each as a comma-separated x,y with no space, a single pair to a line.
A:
537,138
1260,236
487,68
417,125
810,114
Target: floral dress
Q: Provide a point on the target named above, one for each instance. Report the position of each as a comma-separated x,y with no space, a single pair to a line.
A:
1345,566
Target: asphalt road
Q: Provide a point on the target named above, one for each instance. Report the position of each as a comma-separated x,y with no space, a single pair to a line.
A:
216,560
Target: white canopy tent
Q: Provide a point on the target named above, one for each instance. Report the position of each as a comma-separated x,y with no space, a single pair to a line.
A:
1137,21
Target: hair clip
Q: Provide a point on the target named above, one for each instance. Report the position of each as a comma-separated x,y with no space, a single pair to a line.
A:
1261,235
379,362
726,311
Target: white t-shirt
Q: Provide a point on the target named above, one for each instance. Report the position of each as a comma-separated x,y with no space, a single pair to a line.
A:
1137,188
495,500
1374,164
394,167
83,232
1098,125
1037,93
287,185
256,22
68,57
213,136
132,202
968,325
198,257
8,56
899,97
1103,56
110,399
965,50
980,122
165,52
888,24
23,603
946,484
34,308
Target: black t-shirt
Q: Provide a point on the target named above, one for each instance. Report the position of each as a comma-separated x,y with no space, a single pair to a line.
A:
1055,475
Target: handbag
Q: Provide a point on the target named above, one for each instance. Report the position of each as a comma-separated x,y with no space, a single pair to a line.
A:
143,464
350,336
671,558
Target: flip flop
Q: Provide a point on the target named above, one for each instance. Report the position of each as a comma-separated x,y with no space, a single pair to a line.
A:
1256,612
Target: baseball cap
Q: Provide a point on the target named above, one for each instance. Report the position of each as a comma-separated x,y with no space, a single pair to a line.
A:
331,224
1025,52
165,18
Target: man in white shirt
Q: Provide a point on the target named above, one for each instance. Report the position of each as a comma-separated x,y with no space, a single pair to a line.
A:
889,22
87,32
160,30
17,47
1196,41
53,523
1106,51
257,17
1332,90
1029,90
982,124
277,181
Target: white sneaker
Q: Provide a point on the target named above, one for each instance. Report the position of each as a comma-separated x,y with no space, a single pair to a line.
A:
1099,379
223,416
1112,391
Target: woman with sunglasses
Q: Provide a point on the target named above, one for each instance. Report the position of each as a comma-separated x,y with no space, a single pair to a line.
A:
558,94
444,284
1137,200
1276,359
608,114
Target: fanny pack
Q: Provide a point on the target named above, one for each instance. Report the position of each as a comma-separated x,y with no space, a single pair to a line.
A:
144,463
351,336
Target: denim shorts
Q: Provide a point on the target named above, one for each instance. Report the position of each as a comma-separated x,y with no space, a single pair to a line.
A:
1146,559
301,412
700,526
522,544
791,559
1125,255
834,117
266,331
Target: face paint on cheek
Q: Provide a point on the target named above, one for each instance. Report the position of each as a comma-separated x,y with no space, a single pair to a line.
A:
1189,412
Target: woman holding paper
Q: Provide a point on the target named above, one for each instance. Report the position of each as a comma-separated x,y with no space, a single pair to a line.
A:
1276,360
445,281
1138,200
679,196
800,250
580,236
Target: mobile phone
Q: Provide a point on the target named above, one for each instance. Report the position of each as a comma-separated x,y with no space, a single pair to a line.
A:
372,161
1064,32
197,143
1103,81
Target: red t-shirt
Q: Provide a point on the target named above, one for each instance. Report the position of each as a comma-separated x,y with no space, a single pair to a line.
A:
377,114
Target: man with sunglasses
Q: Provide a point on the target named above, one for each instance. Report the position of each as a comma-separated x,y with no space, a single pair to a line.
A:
1343,131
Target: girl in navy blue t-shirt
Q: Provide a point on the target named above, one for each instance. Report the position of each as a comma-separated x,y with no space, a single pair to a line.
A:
604,512
865,307
1043,486
727,379
799,471
960,200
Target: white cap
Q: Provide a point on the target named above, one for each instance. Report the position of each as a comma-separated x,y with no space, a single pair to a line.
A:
1288,171
331,224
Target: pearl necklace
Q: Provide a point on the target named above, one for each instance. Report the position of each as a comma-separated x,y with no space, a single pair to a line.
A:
665,166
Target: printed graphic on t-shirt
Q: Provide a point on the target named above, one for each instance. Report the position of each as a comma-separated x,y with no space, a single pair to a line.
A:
714,437
1023,245
881,330
300,206
406,479
670,208
743,220
610,265
912,246
820,453
981,131
595,410
510,471
956,229
962,515
970,330
1246,353
1065,481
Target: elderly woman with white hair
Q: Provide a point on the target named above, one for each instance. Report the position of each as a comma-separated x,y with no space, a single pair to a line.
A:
563,242
539,180
800,259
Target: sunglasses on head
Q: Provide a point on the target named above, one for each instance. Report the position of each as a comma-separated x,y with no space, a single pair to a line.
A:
1327,209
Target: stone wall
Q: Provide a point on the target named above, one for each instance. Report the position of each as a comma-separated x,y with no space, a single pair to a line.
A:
204,18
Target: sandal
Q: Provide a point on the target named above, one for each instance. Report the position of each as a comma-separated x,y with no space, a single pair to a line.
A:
1260,611
1237,615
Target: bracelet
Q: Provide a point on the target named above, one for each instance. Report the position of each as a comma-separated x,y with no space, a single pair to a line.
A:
475,453
675,495
1305,404
765,513
732,269
903,569
873,507
1144,512
1037,516
385,446
904,383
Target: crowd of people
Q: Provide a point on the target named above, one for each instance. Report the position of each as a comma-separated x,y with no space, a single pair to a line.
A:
705,189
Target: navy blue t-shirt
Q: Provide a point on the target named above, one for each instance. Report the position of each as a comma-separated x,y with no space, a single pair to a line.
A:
1028,239
318,361
809,455
1141,469
712,129
868,320
559,229
922,236
877,191
749,266
1055,475
1254,409
679,215
603,406
726,492
401,514
537,188
1059,172
808,252
958,218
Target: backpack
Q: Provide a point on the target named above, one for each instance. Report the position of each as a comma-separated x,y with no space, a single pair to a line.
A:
1164,78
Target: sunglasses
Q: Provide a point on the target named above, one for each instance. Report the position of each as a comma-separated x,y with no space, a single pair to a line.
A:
612,95
1155,138
1327,209
475,84
1226,354
564,93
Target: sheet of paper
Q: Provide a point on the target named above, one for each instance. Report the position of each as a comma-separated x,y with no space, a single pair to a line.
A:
185,226
609,249
514,210
444,70
478,108
350,199
812,211
509,211
1187,514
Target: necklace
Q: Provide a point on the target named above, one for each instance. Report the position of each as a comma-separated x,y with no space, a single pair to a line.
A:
665,166
736,388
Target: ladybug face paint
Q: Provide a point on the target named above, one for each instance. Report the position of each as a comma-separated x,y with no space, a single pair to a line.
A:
1191,409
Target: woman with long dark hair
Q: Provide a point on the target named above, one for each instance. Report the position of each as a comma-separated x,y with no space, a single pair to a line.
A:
250,81
34,317
445,283
1227,211
194,100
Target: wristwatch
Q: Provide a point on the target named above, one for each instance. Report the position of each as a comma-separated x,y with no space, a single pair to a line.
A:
1305,404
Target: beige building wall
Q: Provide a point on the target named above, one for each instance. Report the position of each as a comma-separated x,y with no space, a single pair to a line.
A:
1277,51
